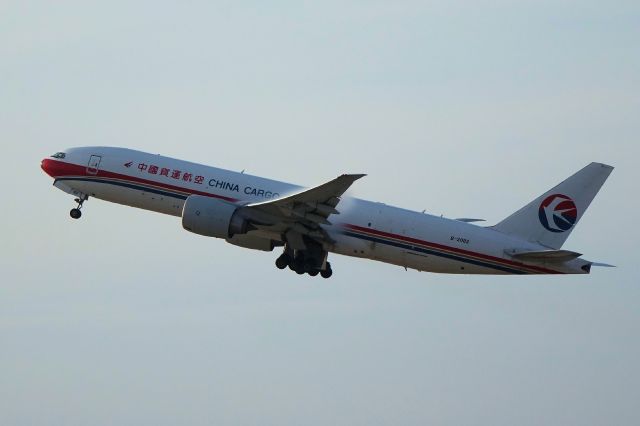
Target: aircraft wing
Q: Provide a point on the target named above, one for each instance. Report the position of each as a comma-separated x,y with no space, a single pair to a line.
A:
302,213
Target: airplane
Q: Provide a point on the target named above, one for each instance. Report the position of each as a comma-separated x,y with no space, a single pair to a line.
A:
309,223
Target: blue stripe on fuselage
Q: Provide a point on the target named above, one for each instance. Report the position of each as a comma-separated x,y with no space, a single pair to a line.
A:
415,248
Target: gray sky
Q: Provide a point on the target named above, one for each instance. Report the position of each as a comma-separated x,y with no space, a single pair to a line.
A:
467,108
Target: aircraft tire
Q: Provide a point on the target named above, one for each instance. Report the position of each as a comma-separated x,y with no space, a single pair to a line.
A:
282,261
326,273
297,266
75,213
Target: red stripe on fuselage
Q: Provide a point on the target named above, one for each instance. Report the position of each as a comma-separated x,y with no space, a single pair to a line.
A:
59,169
450,249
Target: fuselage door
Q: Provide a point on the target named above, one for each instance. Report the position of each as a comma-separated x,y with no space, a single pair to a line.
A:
94,164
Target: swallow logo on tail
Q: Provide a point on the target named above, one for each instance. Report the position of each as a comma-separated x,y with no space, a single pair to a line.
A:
558,213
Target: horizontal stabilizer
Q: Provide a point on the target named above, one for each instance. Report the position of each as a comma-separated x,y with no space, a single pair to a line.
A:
469,219
544,255
603,265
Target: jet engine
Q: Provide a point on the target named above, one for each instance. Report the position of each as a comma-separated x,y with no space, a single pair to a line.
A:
212,217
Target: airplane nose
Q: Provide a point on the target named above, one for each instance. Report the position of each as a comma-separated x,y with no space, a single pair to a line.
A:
48,166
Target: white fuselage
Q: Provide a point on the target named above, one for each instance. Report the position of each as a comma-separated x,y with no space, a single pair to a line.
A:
362,229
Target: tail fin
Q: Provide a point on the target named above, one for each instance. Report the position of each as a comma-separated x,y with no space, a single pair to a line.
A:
550,218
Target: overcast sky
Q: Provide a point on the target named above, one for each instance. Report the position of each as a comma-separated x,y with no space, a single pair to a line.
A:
462,108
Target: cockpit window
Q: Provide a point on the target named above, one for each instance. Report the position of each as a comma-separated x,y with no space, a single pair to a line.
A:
59,155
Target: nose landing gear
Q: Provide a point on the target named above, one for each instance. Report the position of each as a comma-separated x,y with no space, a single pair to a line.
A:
77,213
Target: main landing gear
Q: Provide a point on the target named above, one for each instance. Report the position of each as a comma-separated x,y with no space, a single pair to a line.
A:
302,262
77,213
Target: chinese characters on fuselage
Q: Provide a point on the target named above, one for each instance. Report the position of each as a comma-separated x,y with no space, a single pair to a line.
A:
198,179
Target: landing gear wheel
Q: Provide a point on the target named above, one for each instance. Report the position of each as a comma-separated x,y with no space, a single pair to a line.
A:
297,263
282,261
309,266
75,213
314,273
326,273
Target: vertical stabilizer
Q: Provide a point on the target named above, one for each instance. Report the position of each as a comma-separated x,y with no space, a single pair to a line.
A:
550,218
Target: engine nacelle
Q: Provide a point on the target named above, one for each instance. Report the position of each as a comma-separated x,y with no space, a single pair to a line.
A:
212,217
